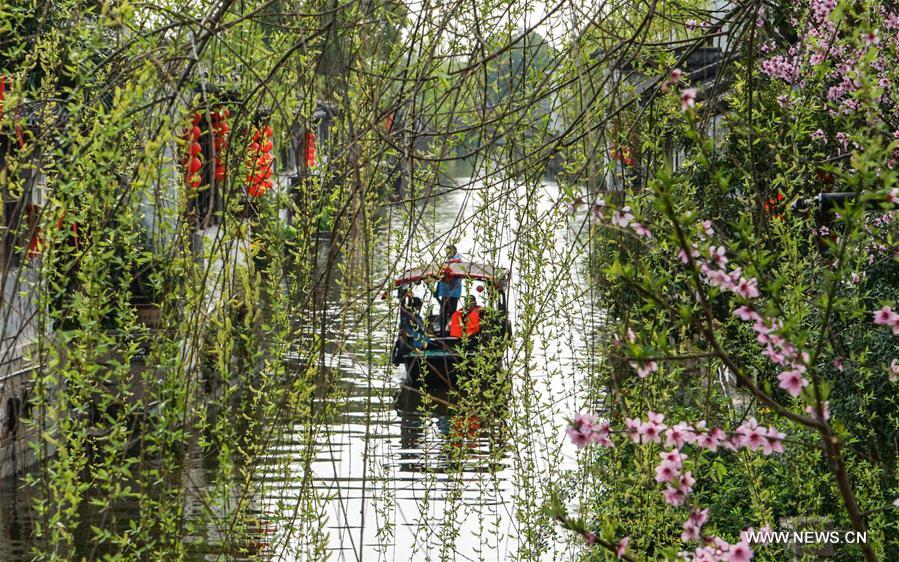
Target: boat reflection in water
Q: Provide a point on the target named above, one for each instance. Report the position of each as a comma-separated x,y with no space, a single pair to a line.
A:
443,430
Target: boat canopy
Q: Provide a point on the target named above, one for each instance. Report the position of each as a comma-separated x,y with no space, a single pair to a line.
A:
465,270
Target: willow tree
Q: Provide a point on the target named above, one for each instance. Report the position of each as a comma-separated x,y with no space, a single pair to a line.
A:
180,319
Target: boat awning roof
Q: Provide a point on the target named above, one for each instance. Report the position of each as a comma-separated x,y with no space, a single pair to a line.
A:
466,270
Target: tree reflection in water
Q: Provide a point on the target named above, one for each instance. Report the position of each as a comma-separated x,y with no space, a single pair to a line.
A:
444,430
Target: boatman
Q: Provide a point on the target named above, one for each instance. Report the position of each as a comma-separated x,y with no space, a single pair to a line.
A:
452,254
470,317
449,289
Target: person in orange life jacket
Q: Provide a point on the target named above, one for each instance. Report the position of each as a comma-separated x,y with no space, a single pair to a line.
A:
470,316
449,289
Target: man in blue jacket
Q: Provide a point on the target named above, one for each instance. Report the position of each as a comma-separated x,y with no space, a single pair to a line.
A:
449,290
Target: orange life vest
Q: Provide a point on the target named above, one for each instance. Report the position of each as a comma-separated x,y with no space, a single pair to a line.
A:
456,325
472,323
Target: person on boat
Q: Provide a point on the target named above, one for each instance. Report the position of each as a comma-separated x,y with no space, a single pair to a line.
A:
452,254
407,312
449,289
470,317
415,328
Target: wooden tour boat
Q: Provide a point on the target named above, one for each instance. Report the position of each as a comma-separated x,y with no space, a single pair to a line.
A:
445,360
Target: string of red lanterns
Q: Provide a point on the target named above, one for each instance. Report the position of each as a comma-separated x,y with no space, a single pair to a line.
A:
220,130
193,163
309,146
259,162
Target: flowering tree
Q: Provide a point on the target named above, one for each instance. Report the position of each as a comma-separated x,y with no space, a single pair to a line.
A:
752,372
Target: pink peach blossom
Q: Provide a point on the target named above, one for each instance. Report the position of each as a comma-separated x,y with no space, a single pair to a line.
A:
579,439
673,456
633,428
739,552
674,496
621,549
623,217
885,316
810,410
644,368
747,288
688,99
792,381
676,435
667,471
641,230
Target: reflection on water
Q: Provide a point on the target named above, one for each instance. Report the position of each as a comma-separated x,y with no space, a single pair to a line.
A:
396,472
437,435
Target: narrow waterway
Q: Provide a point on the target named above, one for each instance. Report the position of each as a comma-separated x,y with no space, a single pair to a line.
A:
399,476
399,481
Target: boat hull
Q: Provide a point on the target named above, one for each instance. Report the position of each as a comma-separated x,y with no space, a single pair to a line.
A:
438,371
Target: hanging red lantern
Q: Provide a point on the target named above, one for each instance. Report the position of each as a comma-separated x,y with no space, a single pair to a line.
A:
309,148
623,154
193,162
772,206
220,130
259,162
36,245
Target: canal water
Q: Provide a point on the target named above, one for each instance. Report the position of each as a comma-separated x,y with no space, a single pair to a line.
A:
399,476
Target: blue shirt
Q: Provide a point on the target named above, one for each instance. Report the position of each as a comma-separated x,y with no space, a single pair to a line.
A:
450,287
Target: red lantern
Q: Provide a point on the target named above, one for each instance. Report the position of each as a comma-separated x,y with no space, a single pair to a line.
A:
259,162
309,148
220,131
193,162
772,206
622,154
